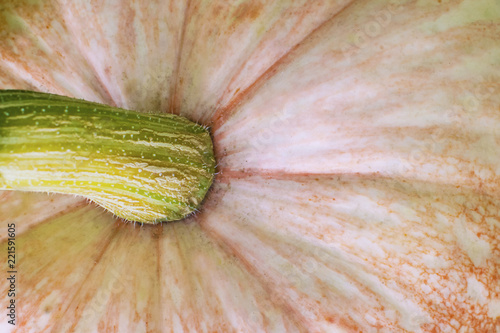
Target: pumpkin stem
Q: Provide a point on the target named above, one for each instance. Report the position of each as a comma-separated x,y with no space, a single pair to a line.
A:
141,167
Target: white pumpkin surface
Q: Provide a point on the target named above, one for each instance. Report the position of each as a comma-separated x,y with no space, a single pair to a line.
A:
358,149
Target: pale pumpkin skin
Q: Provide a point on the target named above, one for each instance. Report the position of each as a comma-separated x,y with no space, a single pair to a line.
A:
359,150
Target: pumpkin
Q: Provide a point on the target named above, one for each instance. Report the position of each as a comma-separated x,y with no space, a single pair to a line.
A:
358,150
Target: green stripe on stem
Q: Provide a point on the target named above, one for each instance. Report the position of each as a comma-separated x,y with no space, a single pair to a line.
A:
141,167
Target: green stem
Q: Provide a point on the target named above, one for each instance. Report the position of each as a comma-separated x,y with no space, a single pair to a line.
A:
141,167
